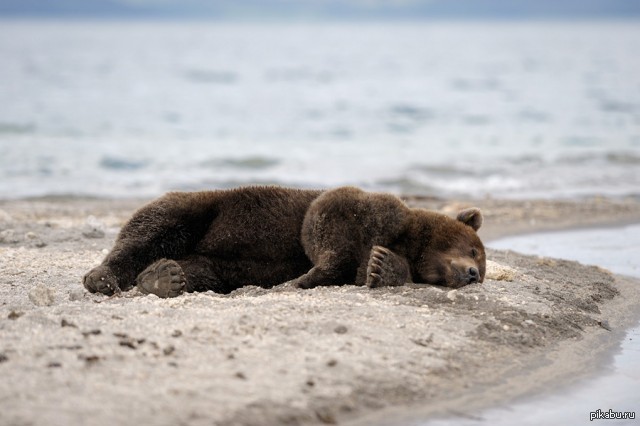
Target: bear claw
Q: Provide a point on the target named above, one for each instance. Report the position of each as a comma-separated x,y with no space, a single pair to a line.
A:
101,280
386,268
163,278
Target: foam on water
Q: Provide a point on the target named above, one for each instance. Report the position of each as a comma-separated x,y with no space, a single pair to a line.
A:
515,110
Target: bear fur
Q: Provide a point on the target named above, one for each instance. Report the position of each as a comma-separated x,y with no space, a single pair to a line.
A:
223,240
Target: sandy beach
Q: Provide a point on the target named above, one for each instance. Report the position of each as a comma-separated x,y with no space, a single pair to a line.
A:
331,355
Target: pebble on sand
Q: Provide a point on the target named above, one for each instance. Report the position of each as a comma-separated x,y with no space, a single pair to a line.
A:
498,272
42,296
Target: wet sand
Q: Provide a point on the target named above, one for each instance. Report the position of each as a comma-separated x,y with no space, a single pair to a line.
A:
285,356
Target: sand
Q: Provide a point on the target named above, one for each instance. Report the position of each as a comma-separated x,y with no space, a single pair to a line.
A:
346,355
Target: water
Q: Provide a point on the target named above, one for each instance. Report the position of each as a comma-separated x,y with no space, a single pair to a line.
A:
451,109
617,249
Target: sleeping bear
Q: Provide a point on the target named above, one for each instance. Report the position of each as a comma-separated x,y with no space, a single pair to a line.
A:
264,236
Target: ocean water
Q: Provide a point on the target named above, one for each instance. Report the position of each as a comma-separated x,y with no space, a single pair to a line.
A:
449,109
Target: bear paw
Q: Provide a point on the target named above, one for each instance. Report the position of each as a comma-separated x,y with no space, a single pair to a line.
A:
385,268
101,279
163,278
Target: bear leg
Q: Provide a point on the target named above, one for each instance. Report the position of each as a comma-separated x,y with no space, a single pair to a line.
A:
330,269
163,278
315,277
203,273
166,228
171,278
385,268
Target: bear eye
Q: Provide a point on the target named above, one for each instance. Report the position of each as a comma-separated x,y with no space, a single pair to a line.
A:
474,252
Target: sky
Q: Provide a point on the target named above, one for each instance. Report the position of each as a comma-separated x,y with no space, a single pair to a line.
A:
329,9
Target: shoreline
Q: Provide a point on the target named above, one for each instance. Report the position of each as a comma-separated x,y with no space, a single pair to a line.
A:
552,373
336,354
509,218
502,217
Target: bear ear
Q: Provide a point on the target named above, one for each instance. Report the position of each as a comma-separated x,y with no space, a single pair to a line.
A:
471,217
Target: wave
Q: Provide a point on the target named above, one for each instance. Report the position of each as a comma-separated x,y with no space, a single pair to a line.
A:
211,76
625,158
9,128
254,162
119,163
406,185
612,105
621,158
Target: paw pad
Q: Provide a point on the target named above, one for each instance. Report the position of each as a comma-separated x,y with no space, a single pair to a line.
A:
163,278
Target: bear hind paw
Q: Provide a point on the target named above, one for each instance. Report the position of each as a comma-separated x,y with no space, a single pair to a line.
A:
164,278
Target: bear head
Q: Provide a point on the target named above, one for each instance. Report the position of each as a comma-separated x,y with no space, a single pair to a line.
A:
450,252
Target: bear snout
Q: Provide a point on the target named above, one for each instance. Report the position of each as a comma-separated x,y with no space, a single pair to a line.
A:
473,275
464,273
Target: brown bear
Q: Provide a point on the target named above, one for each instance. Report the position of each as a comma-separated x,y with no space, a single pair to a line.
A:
223,240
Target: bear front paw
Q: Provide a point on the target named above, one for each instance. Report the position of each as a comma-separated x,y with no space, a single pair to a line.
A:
385,268
101,280
163,278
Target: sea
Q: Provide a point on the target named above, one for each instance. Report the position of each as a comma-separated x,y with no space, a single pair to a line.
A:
527,109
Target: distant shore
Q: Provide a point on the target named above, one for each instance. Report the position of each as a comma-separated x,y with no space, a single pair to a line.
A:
284,356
